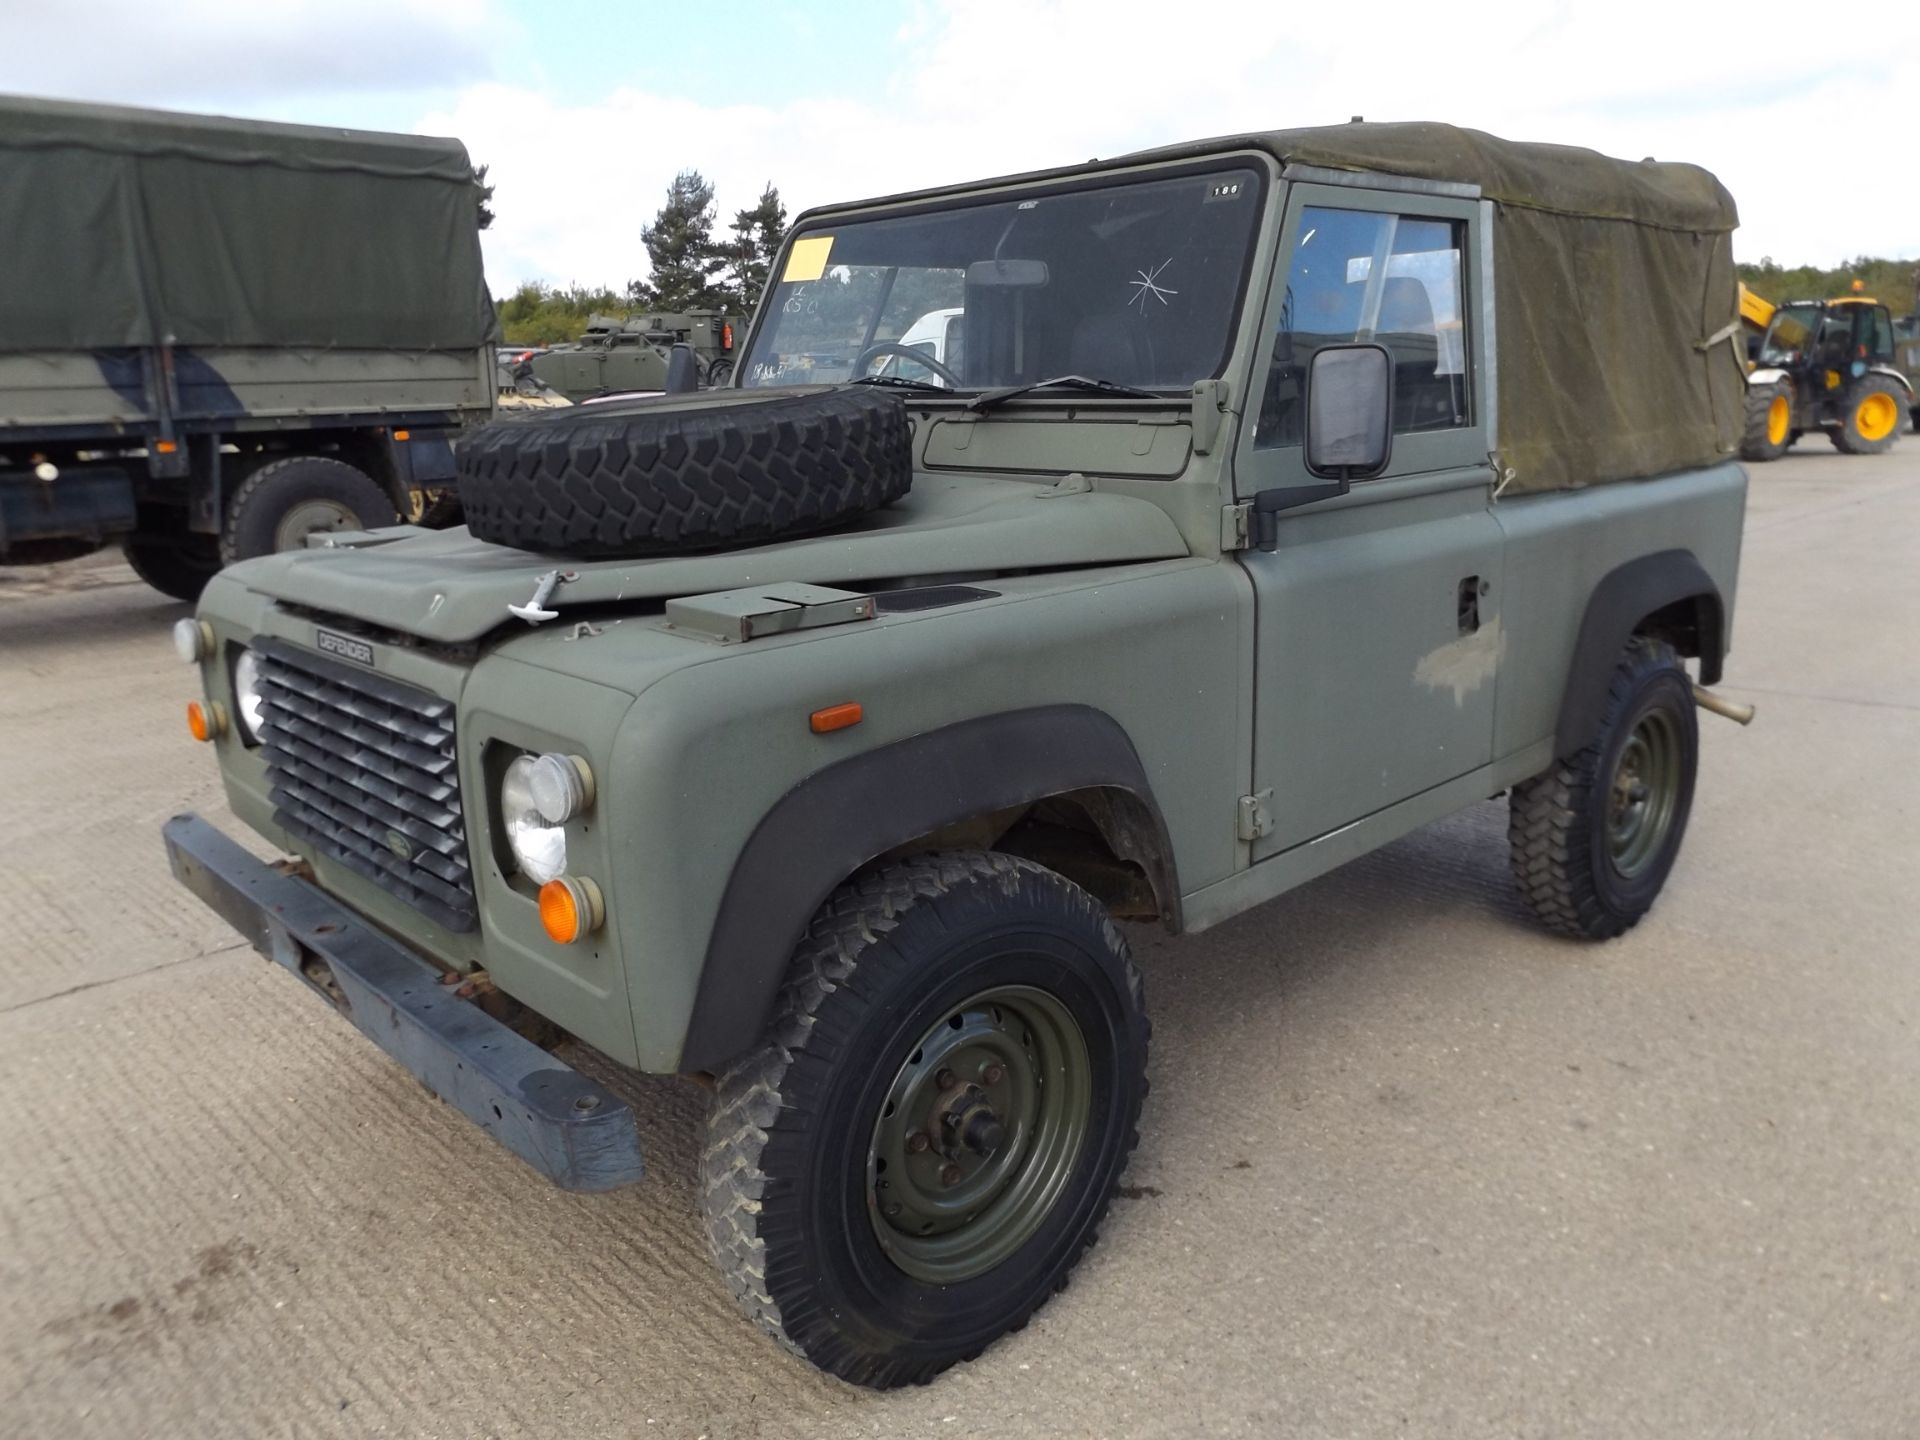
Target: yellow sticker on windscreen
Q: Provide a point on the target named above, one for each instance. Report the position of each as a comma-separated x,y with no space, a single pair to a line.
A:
807,260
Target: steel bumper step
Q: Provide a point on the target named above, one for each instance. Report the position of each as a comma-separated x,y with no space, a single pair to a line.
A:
570,1128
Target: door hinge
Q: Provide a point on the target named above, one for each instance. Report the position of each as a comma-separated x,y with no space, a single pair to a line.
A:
1236,526
1256,815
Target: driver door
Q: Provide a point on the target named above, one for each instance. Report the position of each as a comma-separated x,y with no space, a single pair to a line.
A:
1378,612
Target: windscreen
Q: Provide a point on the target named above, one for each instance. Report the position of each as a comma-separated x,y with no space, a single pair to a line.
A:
1791,334
1136,282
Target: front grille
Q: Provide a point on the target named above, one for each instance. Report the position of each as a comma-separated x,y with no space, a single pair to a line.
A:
362,768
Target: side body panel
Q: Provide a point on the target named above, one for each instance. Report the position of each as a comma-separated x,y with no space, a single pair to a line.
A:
713,748
240,389
1561,547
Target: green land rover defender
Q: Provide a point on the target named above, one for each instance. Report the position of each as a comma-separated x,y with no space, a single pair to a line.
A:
1127,542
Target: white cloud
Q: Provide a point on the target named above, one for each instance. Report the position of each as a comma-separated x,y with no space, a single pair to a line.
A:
992,86
1813,141
217,54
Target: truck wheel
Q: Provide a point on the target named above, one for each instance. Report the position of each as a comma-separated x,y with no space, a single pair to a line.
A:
684,472
1870,421
719,373
284,501
177,565
1769,431
1594,838
929,1136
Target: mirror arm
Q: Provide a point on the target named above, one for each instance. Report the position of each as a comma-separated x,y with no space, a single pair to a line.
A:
1268,504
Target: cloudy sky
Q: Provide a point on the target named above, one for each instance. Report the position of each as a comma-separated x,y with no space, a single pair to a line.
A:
585,110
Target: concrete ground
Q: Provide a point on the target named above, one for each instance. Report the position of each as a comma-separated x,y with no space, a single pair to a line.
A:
1410,1166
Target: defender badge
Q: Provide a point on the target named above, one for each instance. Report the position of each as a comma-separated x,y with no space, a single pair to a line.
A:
345,646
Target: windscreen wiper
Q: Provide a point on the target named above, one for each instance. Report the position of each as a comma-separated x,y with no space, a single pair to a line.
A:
901,382
1062,382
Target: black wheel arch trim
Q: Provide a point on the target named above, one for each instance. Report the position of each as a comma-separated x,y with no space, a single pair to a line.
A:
851,812
1625,597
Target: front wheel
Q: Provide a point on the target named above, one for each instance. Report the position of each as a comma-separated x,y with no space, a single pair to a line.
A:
1594,838
925,1144
1769,430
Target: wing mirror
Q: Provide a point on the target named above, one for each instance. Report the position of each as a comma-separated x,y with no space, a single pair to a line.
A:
1349,412
683,370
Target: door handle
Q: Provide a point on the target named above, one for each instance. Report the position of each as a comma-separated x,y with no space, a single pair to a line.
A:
1467,603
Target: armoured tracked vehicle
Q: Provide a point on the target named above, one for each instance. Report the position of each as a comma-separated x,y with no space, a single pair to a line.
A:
616,357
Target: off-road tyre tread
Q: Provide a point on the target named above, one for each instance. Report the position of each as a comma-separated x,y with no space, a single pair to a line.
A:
748,1100
1549,839
653,478
348,484
1754,444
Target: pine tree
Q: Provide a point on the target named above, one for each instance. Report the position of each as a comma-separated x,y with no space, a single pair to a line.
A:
686,264
756,238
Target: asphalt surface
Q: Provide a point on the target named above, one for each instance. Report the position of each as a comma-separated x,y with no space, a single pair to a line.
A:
1410,1166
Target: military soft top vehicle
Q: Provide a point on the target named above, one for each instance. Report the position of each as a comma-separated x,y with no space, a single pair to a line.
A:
218,337
810,738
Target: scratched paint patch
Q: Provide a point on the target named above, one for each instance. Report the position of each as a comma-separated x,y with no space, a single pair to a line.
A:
1464,665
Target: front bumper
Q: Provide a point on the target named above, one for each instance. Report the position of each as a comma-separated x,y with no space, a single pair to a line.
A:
572,1130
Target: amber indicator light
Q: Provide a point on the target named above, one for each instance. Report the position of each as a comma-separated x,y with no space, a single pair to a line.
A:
202,723
559,912
836,717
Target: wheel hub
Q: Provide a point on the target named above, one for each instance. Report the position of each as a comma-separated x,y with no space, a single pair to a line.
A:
1779,419
978,1134
1644,793
1877,416
312,517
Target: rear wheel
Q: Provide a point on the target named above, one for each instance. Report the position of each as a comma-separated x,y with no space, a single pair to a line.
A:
177,564
1769,431
1594,838
285,501
1870,418
921,1150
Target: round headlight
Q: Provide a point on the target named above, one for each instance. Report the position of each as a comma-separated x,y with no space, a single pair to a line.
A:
539,845
247,698
192,640
562,786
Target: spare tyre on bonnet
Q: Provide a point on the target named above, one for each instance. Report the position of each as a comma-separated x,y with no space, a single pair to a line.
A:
685,472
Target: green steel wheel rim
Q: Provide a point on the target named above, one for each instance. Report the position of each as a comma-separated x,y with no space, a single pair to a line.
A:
978,1134
1645,793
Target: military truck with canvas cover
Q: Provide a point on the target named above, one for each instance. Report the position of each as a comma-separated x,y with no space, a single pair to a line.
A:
218,337
810,738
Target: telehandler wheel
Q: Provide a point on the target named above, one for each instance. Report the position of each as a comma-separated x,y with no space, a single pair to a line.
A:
1593,839
1870,420
929,1136
179,564
284,501
1769,433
